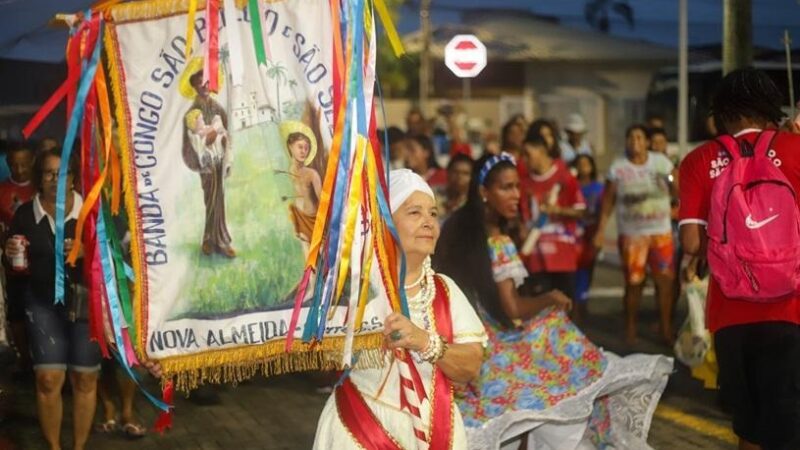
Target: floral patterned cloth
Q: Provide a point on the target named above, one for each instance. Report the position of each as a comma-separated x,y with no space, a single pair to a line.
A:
535,367
506,262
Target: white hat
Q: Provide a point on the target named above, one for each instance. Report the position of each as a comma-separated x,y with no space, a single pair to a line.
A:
575,123
403,183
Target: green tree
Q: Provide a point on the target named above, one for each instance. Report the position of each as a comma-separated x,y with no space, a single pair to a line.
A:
277,72
398,77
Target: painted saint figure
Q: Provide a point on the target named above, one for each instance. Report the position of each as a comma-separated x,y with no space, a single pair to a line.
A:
301,144
207,151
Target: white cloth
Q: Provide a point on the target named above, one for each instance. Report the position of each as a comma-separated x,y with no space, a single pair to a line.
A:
39,213
403,183
467,327
633,384
643,195
569,153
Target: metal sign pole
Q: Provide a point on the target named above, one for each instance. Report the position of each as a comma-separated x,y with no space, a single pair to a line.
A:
787,44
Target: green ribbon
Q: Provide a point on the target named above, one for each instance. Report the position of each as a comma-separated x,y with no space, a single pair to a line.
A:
119,272
255,28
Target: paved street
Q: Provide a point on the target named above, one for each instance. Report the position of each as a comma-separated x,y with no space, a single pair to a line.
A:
281,412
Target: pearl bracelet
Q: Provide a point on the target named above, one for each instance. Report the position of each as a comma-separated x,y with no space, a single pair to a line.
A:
435,349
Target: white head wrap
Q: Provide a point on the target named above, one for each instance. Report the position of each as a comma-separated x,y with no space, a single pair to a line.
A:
403,183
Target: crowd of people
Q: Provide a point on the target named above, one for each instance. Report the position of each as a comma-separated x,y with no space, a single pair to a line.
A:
564,203
500,246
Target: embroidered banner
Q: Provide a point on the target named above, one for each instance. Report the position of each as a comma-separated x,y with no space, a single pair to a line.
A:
223,188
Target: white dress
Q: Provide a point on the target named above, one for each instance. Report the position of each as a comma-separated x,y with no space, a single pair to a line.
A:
467,327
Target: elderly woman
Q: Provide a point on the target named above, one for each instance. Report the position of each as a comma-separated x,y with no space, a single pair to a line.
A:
444,336
59,335
543,380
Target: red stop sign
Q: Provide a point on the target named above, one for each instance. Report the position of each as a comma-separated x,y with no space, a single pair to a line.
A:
465,56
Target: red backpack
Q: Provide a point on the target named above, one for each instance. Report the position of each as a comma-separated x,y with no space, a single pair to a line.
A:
754,225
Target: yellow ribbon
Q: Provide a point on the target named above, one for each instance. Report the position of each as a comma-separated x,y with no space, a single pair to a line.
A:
320,225
190,27
116,181
353,207
391,31
382,246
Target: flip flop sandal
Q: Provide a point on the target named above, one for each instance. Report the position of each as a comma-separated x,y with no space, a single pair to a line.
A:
109,426
133,430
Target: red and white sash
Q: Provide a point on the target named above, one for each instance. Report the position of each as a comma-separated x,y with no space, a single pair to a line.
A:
365,428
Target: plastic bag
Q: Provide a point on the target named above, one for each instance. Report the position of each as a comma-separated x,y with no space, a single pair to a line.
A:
694,339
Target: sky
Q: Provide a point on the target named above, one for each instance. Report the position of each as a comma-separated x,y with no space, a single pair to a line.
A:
24,33
655,20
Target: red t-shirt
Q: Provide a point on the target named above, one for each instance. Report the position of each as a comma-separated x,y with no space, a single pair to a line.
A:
461,148
11,196
436,178
697,174
557,247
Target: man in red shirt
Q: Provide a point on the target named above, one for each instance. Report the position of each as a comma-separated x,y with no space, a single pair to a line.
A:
15,191
18,189
551,203
757,344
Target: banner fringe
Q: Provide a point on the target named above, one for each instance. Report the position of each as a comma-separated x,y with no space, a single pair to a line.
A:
128,191
157,9
239,364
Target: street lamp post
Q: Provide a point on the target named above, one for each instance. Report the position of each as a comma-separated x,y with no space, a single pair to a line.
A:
425,57
683,77
737,35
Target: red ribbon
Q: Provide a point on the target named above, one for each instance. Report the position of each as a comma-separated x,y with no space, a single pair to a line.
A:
164,420
212,15
442,415
359,419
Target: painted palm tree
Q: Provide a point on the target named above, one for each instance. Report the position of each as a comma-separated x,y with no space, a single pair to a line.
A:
292,85
597,13
277,72
224,59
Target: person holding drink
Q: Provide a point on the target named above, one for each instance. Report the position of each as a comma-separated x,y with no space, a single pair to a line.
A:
59,334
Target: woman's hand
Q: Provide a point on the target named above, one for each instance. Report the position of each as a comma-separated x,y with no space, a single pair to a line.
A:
599,240
154,368
549,209
559,301
13,247
399,332
68,244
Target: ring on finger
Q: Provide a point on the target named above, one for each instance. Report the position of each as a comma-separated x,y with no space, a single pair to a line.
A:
396,336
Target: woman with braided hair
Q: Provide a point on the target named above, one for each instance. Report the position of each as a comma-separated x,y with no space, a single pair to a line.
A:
542,379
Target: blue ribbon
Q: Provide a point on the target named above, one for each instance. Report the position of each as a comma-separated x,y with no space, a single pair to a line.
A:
384,209
128,271
135,377
86,82
115,309
106,261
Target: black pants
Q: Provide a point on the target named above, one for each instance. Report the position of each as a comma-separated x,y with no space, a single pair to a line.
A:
759,378
541,282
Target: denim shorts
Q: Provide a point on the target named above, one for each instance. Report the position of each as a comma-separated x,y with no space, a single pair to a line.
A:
58,344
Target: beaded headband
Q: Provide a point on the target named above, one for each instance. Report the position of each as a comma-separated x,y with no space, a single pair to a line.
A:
491,162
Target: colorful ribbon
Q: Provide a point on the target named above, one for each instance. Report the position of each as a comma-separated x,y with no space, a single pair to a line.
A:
93,32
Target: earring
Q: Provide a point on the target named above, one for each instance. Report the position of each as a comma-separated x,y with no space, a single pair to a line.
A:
484,199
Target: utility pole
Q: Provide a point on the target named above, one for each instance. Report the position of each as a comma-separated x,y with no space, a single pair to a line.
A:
425,57
737,35
683,77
